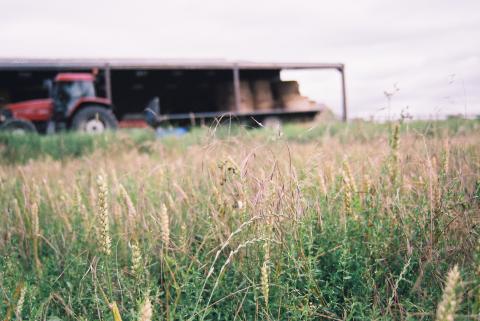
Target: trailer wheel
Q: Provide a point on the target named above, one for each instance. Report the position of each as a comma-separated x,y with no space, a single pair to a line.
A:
94,120
18,126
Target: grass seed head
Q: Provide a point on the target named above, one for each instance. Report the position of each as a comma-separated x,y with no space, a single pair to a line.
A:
394,145
146,312
348,175
132,212
265,271
137,262
347,193
35,234
20,302
164,225
103,214
450,300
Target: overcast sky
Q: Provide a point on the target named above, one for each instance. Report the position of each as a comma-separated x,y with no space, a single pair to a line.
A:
428,50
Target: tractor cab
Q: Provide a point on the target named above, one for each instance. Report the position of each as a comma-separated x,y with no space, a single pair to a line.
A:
67,90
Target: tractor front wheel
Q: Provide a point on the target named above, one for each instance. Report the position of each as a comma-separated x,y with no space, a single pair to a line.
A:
94,120
18,126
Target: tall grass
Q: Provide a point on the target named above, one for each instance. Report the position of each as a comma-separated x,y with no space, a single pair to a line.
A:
248,225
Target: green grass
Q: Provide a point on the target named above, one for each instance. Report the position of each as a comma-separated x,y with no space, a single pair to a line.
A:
228,192
19,149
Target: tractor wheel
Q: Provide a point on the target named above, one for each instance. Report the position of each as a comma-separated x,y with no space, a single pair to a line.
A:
18,126
94,120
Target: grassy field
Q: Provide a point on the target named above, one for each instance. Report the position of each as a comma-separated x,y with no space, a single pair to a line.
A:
327,222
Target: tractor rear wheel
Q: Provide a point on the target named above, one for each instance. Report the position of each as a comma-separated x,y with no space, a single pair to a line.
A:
18,126
94,120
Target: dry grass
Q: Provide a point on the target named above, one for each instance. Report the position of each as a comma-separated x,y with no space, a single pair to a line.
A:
247,226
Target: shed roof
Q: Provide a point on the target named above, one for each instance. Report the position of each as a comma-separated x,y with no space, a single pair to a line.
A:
77,63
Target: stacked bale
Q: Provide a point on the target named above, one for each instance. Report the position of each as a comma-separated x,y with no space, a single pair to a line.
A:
289,97
258,95
262,95
226,97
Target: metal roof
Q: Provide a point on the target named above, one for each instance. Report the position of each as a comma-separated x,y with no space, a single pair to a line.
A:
40,63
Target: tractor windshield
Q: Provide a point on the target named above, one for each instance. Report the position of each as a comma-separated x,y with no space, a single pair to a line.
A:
66,93
76,89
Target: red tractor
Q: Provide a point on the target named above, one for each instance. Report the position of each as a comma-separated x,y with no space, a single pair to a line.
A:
73,104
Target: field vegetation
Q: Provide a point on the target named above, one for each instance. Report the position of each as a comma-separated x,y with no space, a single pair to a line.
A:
314,222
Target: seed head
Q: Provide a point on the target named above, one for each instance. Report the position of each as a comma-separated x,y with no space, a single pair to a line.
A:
347,195
137,265
450,300
35,234
145,313
132,212
21,301
103,215
265,271
445,160
35,223
164,225
348,176
394,143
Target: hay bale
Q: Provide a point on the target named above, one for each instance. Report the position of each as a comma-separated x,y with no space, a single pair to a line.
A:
262,95
298,103
225,97
287,88
288,95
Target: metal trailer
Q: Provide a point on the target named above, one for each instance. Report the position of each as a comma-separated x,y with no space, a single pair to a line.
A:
106,66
